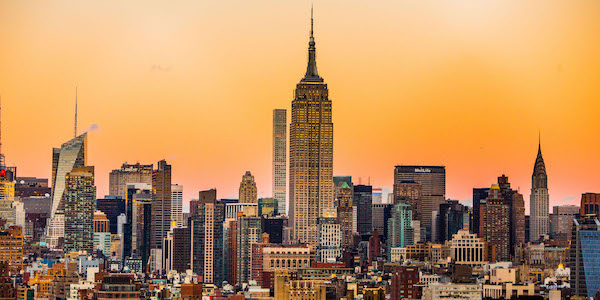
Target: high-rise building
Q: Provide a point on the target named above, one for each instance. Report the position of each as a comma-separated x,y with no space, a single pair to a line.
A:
400,232
494,225
590,204
561,219
207,239
329,239
71,155
479,194
248,233
377,195
409,192
280,158
112,207
274,227
79,196
178,256
268,207
161,203
311,151
176,204
363,200
381,213
517,231
585,257
101,232
468,249
141,221
11,249
451,218
432,180
345,212
248,192
128,173
539,200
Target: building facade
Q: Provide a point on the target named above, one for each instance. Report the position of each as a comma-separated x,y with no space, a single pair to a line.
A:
585,257
248,192
345,213
539,200
363,200
468,249
79,196
176,204
128,173
161,203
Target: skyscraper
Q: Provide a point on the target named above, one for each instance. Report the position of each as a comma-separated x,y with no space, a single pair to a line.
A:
539,199
494,225
400,231
176,204
432,180
207,238
451,218
590,204
363,200
141,221
248,192
561,219
79,196
128,173
161,203
7,194
311,151
585,257
345,212
71,155
280,158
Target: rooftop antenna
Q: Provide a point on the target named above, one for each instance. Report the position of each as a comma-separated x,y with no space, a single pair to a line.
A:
75,130
1,154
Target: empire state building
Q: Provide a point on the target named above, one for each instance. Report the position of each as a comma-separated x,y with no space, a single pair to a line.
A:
311,152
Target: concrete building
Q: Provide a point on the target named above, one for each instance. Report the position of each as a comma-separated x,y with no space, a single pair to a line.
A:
311,152
177,204
468,249
561,219
432,182
161,203
280,158
329,239
539,200
345,213
128,173
248,192
79,197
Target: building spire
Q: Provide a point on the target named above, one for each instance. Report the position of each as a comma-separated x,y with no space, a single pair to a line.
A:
311,70
75,131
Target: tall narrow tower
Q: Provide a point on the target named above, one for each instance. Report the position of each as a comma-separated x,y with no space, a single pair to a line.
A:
311,151
280,158
539,199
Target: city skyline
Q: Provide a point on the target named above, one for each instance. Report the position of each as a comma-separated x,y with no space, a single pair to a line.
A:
486,151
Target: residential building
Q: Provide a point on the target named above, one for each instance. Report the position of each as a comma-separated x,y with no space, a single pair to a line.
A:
494,218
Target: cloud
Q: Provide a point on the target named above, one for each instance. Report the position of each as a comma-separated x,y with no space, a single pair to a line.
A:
160,68
569,198
93,127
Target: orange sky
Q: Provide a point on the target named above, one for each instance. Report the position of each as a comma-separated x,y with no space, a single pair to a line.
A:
466,84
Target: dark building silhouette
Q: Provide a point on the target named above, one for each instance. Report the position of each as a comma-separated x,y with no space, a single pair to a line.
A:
112,207
451,218
363,200
161,203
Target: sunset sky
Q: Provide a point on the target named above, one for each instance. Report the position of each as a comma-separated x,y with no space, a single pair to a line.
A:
462,83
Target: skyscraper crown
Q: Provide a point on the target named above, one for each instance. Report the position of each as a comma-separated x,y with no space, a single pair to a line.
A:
311,69
539,178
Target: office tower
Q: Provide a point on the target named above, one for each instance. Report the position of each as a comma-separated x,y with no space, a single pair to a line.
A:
479,194
101,232
7,194
363,200
494,227
400,232
176,204
207,238
517,226
451,218
11,248
280,158
161,203
141,222
112,207
345,213
409,192
311,151
381,213
128,173
590,204
248,192
329,239
248,233
79,196
585,257
178,245
268,207
31,187
338,181
468,249
561,219
274,227
539,199
432,180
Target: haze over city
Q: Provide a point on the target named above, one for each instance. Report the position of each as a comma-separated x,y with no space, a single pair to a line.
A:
465,84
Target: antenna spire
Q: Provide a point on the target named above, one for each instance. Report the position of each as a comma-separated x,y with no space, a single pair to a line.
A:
311,23
75,131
